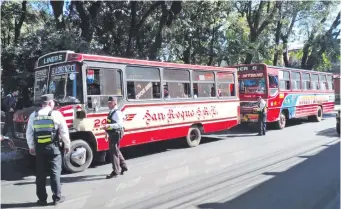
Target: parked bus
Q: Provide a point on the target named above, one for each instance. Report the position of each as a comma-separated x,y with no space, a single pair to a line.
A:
289,93
159,100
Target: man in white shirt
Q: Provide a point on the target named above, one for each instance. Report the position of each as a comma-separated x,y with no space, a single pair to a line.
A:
43,131
262,110
115,129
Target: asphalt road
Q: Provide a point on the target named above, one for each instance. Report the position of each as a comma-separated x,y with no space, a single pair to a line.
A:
294,168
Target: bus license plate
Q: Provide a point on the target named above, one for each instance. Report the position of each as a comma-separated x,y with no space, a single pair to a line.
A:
250,117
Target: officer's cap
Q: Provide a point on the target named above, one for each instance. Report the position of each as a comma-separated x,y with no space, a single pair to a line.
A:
112,99
47,97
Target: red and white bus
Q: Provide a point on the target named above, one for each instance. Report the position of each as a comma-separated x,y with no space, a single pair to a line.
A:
290,93
159,100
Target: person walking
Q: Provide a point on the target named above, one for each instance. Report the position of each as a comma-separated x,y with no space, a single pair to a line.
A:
10,103
115,130
43,131
261,110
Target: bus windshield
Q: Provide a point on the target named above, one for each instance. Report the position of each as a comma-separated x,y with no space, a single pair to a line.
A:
252,86
40,83
64,82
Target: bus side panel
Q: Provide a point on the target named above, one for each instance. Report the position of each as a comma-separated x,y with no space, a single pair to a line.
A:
219,126
161,121
148,136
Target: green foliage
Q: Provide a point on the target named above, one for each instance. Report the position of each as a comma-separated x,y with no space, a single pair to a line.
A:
200,32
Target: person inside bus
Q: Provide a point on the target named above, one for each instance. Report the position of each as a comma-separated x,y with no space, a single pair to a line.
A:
213,91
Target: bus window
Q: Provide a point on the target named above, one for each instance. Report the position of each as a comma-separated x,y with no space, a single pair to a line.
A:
203,84
273,84
225,84
323,82
102,83
143,83
330,82
295,81
306,81
177,83
284,83
315,82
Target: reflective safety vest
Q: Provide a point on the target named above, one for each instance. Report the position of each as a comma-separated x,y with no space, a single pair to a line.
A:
44,129
264,110
110,121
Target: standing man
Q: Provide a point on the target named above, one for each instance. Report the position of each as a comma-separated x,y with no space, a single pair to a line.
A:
114,128
10,103
261,110
43,131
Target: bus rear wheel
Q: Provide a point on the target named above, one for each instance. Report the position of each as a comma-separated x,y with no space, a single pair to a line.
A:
79,158
193,137
318,116
280,124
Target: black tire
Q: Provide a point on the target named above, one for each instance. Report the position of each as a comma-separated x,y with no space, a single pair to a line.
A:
72,167
193,137
318,116
281,123
338,128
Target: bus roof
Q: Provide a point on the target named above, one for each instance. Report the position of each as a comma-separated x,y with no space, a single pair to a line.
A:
72,56
277,67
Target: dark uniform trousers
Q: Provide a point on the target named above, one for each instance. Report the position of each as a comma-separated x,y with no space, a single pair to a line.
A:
116,157
9,125
48,162
262,123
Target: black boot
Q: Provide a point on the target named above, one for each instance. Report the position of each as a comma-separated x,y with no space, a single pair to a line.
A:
124,169
112,175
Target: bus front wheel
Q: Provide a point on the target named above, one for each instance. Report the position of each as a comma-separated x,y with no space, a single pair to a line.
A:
79,158
193,137
281,122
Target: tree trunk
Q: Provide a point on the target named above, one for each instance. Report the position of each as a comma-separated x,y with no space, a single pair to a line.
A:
277,39
158,38
132,28
57,7
87,17
285,53
18,24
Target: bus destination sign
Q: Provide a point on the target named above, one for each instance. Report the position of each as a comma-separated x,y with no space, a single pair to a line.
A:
50,59
247,68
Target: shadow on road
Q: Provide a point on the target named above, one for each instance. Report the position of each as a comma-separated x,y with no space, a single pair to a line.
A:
20,205
298,187
329,132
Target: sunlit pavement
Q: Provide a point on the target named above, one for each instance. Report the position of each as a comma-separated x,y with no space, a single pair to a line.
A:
297,167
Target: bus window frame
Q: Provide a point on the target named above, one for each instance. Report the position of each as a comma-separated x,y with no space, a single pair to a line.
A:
177,81
299,79
233,82
203,82
290,89
330,88
85,86
318,81
142,80
303,81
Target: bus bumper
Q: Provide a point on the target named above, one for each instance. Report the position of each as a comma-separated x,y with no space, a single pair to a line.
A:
247,118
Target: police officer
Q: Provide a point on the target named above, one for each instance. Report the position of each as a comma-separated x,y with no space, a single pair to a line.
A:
114,128
43,131
261,110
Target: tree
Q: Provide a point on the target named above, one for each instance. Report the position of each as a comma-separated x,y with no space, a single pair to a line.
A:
259,16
